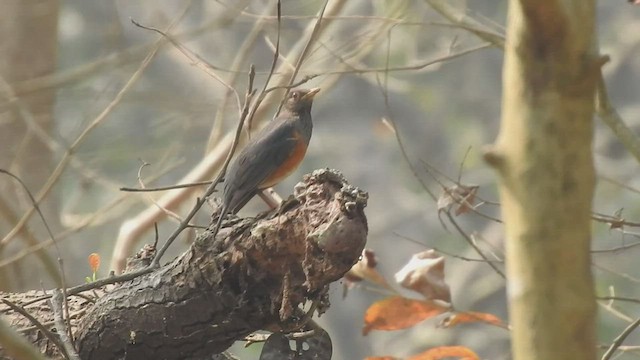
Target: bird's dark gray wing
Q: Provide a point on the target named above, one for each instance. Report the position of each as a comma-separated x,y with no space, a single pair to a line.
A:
257,161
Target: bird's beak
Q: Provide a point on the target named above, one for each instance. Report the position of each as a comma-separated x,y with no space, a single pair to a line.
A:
311,94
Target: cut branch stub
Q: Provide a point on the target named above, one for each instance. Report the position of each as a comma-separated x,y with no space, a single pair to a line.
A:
252,277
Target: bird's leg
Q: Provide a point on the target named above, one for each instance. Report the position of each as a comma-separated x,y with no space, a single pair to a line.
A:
274,201
270,197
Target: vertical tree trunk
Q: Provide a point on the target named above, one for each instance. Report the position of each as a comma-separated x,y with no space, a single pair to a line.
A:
28,43
544,160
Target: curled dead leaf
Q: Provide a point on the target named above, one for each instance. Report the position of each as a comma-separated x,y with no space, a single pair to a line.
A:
424,273
365,269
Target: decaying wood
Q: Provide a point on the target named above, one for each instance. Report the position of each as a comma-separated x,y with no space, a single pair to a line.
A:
253,276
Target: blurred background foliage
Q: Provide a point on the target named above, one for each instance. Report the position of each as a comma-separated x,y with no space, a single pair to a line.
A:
444,113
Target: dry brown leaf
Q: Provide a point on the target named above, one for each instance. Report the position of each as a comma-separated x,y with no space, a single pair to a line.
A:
445,200
462,195
397,312
468,197
424,273
365,269
618,220
441,352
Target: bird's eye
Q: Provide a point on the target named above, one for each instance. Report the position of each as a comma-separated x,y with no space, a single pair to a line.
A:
295,95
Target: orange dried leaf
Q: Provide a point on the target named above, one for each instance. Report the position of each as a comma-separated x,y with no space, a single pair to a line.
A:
469,317
94,262
424,273
442,352
397,312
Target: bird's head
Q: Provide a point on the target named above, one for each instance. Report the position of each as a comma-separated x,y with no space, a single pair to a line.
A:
300,100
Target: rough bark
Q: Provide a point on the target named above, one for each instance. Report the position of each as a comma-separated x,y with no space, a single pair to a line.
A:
253,276
544,159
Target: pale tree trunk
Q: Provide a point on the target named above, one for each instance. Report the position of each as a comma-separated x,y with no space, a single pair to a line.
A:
544,160
28,43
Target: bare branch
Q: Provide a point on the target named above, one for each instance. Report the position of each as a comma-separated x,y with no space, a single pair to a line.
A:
57,300
620,339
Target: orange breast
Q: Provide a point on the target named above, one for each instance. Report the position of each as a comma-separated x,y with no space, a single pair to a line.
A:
289,165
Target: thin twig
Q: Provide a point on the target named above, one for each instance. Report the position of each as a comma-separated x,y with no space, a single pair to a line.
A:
618,298
473,245
616,249
266,90
294,85
618,183
610,116
314,34
57,300
65,298
157,235
274,62
446,252
60,278
407,160
200,201
617,273
456,17
45,331
391,122
165,188
413,67
459,200
165,210
606,112
276,53
239,60
64,234
193,57
613,220
464,158
243,116
111,61
620,339
57,172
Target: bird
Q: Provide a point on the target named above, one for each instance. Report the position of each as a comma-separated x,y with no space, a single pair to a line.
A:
271,155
